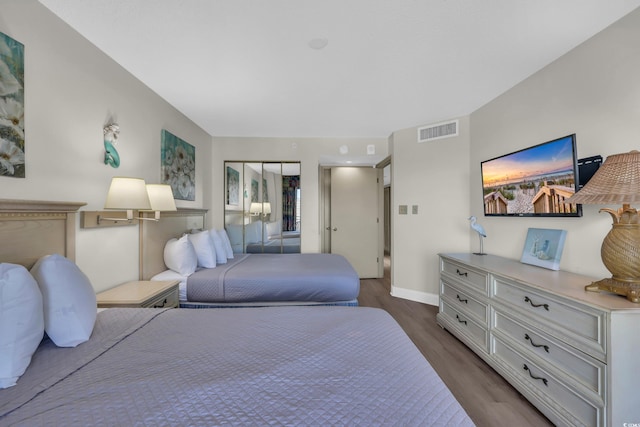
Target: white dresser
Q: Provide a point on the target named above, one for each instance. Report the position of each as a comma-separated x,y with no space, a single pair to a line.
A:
573,354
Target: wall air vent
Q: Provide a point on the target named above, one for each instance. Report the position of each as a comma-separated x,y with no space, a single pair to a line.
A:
438,131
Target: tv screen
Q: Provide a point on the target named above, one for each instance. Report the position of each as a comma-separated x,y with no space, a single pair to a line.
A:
534,181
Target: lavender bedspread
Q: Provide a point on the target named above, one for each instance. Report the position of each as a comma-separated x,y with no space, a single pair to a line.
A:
251,366
276,277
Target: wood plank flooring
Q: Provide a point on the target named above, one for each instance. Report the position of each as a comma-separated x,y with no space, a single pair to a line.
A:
485,395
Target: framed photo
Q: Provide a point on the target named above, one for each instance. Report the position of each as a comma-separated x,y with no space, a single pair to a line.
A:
254,190
543,247
178,166
233,186
12,140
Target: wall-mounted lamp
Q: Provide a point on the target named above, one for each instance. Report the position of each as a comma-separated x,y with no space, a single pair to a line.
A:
161,198
126,194
111,156
129,194
259,208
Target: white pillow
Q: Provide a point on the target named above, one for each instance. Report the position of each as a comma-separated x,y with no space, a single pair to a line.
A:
21,322
253,232
221,253
226,243
68,298
234,231
274,229
205,251
180,256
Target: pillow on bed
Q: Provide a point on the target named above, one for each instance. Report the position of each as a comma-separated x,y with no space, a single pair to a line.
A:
180,256
226,243
205,251
253,232
273,229
221,253
21,322
234,231
68,298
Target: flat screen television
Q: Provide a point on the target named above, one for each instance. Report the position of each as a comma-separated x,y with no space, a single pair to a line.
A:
534,181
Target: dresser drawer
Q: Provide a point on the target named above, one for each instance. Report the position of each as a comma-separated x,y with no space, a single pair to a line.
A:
576,323
167,299
577,409
465,324
471,277
580,367
463,302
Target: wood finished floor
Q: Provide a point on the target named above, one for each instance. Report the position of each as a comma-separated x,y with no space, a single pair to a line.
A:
485,395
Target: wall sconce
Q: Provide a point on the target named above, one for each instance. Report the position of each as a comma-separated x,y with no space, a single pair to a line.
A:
126,194
161,198
259,208
617,181
111,156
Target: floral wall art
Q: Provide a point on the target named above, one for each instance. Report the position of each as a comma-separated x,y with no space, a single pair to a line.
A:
178,166
11,107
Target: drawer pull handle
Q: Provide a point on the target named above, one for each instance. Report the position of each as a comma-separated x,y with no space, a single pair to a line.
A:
460,320
527,299
461,273
544,380
161,304
546,347
466,301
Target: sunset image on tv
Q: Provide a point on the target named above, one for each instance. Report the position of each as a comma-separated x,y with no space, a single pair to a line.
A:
535,180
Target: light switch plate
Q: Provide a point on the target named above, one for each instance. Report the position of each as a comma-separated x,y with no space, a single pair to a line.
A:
402,209
414,209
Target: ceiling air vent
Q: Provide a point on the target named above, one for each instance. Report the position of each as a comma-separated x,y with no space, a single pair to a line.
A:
438,131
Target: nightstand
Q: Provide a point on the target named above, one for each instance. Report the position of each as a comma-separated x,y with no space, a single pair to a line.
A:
146,293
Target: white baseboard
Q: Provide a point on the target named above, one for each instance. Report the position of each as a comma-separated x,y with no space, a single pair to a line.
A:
423,297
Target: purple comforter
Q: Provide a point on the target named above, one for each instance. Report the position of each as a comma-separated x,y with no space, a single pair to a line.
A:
247,366
276,277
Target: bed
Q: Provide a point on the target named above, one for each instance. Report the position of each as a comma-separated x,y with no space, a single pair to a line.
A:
246,279
324,365
263,237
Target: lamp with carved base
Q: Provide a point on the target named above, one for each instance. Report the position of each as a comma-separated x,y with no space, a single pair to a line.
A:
617,181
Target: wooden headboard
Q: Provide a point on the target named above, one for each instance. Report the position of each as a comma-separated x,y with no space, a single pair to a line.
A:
154,235
30,229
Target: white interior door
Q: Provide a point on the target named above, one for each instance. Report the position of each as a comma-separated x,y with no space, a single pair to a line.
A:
356,231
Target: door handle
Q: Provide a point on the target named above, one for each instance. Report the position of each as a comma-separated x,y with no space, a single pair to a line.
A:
335,229
328,228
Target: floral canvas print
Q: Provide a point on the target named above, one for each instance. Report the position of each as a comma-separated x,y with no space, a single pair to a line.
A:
11,107
233,186
543,247
178,166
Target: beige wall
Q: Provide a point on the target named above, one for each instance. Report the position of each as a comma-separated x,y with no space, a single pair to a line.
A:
71,89
308,151
435,176
593,91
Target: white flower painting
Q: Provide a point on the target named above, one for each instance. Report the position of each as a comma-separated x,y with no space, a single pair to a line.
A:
178,166
11,107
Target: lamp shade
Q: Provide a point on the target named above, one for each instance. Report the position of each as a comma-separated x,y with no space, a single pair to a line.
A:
127,193
267,208
617,181
161,197
255,208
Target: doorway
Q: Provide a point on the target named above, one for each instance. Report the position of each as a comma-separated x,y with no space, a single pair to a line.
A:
352,217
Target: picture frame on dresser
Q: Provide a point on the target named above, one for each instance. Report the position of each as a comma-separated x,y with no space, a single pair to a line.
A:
543,247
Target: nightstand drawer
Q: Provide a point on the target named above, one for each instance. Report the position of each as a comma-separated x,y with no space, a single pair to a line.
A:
168,299
144,293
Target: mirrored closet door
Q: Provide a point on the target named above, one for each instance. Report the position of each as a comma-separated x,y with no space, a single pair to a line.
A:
262,206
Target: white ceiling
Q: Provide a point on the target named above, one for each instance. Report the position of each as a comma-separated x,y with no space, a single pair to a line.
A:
245,67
